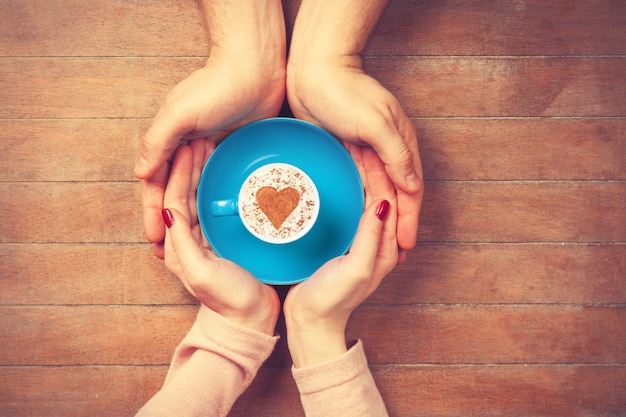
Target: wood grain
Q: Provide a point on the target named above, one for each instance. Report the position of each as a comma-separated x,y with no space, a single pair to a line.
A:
101,28
77,391
474,27
72,212
441,87
524,212
495,86
522,149
512,273
428,27
76,274
70,149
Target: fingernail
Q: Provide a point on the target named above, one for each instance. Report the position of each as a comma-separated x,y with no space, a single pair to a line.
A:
413,181
141,166
168,218
382,209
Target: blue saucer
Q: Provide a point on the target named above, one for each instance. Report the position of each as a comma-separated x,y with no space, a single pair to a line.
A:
313,150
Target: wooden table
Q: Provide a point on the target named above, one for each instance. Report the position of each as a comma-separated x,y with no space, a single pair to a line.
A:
512,304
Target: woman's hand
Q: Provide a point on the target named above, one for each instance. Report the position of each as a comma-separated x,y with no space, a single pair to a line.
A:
317,310
219,284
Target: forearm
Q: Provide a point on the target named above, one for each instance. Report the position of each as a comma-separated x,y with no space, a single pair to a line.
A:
343,386
212,366
334,28
253,28
311,347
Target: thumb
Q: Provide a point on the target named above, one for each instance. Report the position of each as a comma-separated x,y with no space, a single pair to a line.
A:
367,241
399,165
156,149
186,250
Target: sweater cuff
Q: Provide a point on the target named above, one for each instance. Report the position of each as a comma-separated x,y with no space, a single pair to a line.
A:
234,338
345,368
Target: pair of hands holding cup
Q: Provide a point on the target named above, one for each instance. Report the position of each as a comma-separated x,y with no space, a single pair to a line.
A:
316,310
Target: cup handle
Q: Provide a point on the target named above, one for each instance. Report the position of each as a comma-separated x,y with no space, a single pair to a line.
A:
224,208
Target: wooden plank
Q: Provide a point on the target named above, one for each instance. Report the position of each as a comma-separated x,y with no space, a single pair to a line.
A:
122,88
481,334
101,28
496,86
70,149
523,212
416,390
499,274
474,27
429,27
451,149
92,335
464,334
68,274
517,390
522,149
77,391
86,274
89,87
470,212
72,212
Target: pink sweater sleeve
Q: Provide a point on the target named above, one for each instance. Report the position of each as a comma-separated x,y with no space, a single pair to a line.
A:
341,387
216,361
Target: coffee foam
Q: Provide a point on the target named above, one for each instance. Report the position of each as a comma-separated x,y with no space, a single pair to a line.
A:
285,180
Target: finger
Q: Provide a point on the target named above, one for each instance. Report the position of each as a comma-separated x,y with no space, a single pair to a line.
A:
201,149
356,152
152,193
379,183
190,256
381,188
159,249
409,204
162,138
363,253
396,154
155,152
179,183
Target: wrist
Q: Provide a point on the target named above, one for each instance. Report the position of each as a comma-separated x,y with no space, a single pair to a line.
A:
260,316
327,30
315,341
309,347
248,28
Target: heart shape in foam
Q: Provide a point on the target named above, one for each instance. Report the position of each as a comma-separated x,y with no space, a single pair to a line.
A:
277,205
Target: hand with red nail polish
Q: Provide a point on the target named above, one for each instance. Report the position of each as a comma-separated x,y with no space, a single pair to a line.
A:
317,310
219,284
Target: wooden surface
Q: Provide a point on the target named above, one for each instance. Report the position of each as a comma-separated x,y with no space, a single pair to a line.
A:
512,304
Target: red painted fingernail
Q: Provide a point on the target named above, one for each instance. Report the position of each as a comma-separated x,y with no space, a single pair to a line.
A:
382,209
168,218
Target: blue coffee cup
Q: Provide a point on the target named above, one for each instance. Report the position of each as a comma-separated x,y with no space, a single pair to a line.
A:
285,142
